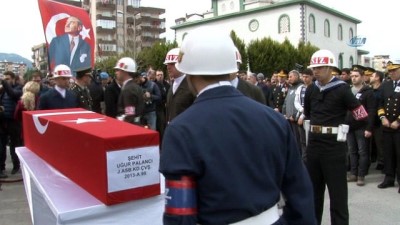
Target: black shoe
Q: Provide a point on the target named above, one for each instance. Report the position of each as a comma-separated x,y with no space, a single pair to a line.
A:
3,175
386,184
399,190
15,170
379,167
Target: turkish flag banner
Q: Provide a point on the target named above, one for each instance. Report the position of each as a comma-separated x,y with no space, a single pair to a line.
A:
69,35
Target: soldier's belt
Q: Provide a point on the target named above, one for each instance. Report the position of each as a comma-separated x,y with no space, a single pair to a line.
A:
323,130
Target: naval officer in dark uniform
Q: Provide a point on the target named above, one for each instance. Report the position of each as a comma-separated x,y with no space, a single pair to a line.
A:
389,114
279,91
326,103
220,166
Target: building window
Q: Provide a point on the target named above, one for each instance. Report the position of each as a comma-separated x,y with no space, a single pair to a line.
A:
311,23
351,33
284,24
351,61
134,3
340,63
340,32
327,32
120,2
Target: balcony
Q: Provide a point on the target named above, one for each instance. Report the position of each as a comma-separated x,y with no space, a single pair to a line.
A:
102,17
100,29
106,5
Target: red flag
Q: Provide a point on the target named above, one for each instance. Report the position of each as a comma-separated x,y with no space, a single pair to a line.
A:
63,24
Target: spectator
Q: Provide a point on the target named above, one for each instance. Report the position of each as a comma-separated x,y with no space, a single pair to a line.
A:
11,129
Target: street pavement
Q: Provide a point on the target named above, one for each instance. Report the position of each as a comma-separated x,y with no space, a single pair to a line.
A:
368,205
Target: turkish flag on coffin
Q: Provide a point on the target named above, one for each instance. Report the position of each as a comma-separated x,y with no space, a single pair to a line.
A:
54,18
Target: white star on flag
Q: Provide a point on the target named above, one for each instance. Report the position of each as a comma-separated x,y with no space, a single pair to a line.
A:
85,32
83,120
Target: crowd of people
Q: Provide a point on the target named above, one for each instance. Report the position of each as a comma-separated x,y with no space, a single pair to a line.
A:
316,127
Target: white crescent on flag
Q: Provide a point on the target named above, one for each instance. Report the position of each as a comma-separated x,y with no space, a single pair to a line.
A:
51,25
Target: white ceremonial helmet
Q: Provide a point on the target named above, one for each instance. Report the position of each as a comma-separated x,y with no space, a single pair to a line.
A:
172,56
238,56
126,64
205,52
323,57
62,70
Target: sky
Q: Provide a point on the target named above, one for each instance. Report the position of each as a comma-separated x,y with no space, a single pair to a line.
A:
22,29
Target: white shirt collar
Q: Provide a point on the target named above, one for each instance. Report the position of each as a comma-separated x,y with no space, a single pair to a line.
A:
235,82
177,82
211,86
60,90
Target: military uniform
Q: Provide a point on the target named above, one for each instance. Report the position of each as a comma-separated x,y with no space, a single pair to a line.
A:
83,95
279,92
225,199
389,108
131,102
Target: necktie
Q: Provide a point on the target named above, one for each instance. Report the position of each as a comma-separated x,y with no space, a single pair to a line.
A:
395,84
72,45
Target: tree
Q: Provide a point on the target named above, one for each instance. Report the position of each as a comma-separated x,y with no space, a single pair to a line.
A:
154,56
305,52
263,56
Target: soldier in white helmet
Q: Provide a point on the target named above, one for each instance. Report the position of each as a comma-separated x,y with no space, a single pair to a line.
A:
179,97
130,102
220,166
326,103
60,97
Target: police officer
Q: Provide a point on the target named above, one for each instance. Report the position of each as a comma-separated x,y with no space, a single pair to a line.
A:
130,102
80,88
220,166
326,103
389,114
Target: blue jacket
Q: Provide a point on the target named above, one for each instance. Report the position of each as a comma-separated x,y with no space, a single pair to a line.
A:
9,99
52,99
242,154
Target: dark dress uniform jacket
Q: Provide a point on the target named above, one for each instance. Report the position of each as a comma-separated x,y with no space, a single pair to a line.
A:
251,91
52,99
278,95
131,95
329,107
83,95
239,172
180,101
389,105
